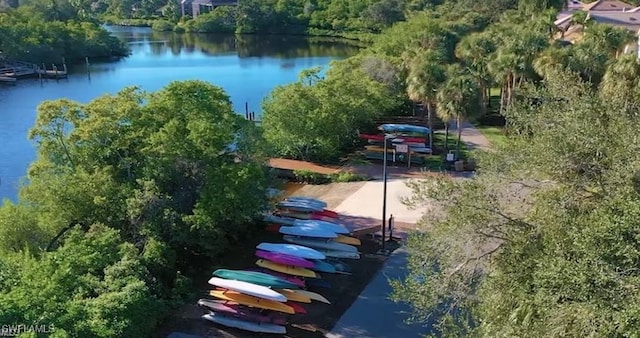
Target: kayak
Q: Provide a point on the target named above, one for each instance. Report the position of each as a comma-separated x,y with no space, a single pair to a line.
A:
254,277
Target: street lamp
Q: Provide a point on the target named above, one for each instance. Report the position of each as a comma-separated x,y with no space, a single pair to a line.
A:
384,194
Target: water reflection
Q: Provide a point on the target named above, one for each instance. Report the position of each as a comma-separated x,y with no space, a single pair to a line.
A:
245,46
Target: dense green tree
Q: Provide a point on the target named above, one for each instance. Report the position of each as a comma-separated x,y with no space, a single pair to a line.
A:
540,242
316,119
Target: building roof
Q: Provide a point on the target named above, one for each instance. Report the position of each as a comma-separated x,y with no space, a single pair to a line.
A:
607,5
628,20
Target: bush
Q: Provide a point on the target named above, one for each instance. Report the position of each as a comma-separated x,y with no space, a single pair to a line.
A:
347,176
309,177
178,29
162,26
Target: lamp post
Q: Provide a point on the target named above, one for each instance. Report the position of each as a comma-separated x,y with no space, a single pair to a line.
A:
384,194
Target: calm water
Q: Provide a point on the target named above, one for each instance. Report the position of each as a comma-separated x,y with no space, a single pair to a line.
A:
247,67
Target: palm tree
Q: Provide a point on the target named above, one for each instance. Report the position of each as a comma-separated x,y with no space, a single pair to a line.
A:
425,74
622,80
552,59
475,52
458,99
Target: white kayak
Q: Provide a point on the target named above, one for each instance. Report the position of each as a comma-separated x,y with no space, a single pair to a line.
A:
321,244
335,227
248,289
292,249
309,200
244,324
341,254
301,230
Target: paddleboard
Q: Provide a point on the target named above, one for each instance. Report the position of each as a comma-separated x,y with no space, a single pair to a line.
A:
244,324
294,296
347,240
309,200
252,301
291,270
314,296
292,250
330,226
321,244
237,310
308,231
248,289
284,259
258,278
323,267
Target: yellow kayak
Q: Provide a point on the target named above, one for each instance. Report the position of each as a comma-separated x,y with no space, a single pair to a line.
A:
347,240
294,296
290,270
313,296
252,301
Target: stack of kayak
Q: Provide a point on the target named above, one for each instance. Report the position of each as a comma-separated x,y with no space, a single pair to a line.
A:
414,137
260,299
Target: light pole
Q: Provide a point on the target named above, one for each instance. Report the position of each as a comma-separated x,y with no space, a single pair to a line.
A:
384,194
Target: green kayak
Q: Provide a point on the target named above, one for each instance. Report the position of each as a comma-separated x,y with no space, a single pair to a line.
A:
255,277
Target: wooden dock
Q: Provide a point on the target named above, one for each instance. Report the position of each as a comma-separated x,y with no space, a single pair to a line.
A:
10,70
8,80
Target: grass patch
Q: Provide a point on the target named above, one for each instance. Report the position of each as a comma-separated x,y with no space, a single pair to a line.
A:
495,135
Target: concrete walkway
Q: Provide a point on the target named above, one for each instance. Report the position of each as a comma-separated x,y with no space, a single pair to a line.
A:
373,315
471,136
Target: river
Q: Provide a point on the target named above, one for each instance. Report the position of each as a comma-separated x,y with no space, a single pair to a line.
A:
247,67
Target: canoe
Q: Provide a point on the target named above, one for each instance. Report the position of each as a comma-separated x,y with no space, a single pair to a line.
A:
341,254
347,240
240,311
247,289
279,219
308,231
254,277
284,259
340,266
310,200
299,282
293,296
244,324
252,301
290,270
297,307
313,296
294,214
323,267
404,128
321,244
380,138
291,250
330,226
300,206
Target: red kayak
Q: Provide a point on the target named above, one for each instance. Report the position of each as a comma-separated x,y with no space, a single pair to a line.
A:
380,138
297,307
328,213
273,227
240,311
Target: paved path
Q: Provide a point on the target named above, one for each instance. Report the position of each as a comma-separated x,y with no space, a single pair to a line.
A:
373,315
471,136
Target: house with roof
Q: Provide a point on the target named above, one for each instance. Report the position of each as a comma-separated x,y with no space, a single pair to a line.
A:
609,12
205,6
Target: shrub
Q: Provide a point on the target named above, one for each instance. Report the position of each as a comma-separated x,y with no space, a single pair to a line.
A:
347,176
162,26
309,177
